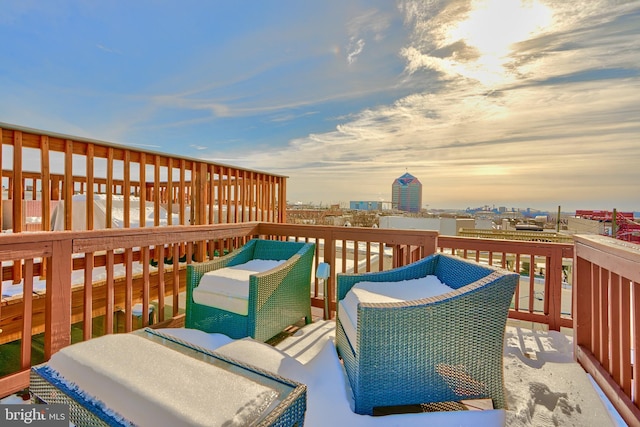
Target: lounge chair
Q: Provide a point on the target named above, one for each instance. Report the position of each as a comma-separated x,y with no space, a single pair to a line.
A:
406,349
255,291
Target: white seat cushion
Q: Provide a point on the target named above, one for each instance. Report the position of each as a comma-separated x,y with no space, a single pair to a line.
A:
228,288
384,292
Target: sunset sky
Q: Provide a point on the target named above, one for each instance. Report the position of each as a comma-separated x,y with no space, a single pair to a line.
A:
489,102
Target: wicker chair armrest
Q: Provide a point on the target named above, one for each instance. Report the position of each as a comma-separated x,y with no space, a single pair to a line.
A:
290,281
263,285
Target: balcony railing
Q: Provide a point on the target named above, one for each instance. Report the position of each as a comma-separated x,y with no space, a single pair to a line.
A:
607,318
101,274
48,169
544,293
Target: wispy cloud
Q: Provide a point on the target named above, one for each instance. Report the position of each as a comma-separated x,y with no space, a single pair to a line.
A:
290,116
371,25
354,49
108,49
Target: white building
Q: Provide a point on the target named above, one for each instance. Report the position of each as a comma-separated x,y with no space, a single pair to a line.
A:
444,226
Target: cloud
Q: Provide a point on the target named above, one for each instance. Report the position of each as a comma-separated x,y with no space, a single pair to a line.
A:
108,49
458,50
288,117
558,124
371,24
355,48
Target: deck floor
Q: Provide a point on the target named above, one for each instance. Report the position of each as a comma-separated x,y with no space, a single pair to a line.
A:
543,383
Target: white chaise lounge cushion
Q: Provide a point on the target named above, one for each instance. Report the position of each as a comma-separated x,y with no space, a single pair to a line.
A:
384,292
228,288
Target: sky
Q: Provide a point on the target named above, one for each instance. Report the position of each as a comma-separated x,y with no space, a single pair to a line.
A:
515,103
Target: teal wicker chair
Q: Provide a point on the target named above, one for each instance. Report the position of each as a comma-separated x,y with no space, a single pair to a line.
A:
277,298
439,349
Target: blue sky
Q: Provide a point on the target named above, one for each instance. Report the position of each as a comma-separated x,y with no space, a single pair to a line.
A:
500,102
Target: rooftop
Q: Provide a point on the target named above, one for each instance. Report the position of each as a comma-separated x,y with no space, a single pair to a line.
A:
544,385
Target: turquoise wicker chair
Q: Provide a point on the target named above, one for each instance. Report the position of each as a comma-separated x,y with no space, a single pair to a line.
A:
277,298
440,349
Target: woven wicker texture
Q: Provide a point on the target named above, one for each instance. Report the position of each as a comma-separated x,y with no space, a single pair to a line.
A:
277,298
83,412
439,349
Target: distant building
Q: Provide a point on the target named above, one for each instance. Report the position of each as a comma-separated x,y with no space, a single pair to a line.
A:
369,205
444,226
406,193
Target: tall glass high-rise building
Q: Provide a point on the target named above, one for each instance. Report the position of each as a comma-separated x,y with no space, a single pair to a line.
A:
406,193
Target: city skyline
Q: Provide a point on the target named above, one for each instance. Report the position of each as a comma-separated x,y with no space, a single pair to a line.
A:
528,210
518,103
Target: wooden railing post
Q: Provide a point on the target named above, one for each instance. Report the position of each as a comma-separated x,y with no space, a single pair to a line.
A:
554,280
67,185
17,196
282,200
18,190
329,257
57,330
431,244
200,203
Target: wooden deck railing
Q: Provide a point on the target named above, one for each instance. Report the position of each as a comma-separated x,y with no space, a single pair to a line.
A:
75,305
607,319
49,169
544,293
67,312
